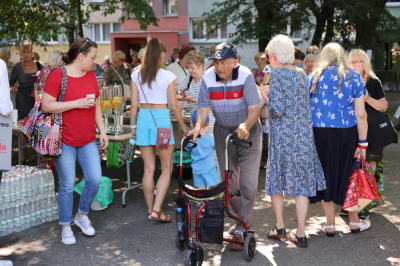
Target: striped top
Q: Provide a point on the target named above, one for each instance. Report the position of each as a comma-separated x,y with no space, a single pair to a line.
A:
229,101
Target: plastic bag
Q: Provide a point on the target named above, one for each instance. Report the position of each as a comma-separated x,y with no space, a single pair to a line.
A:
115,155
186,157
105,194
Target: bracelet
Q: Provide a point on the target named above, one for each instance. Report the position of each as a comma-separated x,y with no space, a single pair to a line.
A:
182,128
132,127
362,141
363,147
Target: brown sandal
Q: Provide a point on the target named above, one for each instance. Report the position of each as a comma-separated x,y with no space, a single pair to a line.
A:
167,218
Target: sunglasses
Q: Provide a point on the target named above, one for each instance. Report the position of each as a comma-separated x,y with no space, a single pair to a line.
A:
313,52
87,41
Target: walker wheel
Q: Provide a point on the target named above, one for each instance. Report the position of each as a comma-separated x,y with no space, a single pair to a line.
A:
194,257
249,247
180,244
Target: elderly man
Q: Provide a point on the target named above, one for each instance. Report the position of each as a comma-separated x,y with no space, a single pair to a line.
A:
230,90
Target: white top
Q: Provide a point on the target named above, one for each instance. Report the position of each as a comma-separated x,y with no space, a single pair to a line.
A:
6,105
207,63
178,71
158,94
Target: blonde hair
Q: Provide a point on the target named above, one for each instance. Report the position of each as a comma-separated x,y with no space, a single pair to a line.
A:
117,55
313,48
311,56
367,64
194,57
55,58
26,44
331,53
4,52
283,48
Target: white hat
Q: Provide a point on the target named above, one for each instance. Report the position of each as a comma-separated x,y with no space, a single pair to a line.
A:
107,57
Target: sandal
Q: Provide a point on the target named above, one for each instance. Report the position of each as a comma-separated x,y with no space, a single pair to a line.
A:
301,241
363,224
280,233
167,218
324,227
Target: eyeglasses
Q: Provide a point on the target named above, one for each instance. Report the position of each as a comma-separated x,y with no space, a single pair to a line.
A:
355,63
313,52
122,59
87,40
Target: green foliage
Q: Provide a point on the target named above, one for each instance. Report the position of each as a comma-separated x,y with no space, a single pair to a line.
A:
41,20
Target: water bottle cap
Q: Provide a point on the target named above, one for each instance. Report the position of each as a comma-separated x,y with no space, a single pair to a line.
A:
179,209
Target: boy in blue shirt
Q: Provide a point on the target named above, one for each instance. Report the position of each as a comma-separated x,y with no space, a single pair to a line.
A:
205,172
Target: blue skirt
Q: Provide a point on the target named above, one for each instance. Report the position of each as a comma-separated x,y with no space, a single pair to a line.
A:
146,131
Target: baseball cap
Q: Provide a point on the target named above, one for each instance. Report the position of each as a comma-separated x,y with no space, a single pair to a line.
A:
224,51
194,117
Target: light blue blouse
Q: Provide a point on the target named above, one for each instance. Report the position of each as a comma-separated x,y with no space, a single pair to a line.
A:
331,106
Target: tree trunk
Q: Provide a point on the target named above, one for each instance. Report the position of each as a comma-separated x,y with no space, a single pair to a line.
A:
264,18
80,28
329,34
319,29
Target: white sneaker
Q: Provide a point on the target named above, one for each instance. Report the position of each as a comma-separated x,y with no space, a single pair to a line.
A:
85,225
6,263
67,236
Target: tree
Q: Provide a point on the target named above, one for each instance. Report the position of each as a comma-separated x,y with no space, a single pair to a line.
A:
41,19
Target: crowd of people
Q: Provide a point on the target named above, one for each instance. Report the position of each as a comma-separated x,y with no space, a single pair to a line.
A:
312,112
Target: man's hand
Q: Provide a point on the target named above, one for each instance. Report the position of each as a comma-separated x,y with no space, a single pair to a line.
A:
195,132
242,131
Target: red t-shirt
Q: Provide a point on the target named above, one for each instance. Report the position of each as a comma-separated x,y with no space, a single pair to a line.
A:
78,124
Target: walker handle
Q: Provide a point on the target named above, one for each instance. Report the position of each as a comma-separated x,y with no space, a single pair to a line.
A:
239,142
187,141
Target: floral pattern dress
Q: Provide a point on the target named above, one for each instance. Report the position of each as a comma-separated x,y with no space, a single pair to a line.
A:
293,164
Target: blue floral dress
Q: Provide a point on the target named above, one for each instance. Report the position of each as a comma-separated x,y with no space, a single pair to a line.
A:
293,163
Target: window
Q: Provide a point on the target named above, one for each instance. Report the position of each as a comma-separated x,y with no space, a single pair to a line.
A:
170,7
296,34
102,31
200,29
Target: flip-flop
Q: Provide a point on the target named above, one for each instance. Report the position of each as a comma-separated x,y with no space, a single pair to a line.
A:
166,219
301,241
280,233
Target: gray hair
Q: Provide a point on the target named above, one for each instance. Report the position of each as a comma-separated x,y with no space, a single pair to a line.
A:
283,48
311,56
55,58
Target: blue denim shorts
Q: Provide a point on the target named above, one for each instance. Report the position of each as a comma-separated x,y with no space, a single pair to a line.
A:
146,132
209,179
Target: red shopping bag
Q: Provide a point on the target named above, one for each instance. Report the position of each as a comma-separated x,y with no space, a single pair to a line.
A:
362,188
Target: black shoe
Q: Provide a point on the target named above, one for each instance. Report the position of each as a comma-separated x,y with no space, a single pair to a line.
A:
280,233
343,212
301,241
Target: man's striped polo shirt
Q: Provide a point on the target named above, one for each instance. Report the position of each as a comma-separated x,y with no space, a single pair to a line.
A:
229,101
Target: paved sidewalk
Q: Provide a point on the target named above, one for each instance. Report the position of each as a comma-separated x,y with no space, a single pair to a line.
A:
124,236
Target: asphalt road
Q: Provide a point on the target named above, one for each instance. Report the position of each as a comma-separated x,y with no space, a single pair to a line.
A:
124,236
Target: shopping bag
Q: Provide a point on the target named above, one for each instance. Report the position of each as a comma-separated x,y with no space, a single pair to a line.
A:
113,155
105,195
362,188
5,143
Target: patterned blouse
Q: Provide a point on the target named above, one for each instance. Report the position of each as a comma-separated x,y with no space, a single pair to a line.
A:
111,77
331,106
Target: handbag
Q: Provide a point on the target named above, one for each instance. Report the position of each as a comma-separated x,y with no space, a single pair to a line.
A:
381,132
163,134
373,155
212,224
362,188
44,132
127,88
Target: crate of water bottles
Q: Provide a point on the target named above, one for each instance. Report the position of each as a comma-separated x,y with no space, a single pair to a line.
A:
27,199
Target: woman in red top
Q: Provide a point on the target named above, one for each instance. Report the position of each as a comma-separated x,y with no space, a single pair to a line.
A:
81,114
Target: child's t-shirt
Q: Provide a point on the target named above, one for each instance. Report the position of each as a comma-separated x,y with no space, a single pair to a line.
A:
203,155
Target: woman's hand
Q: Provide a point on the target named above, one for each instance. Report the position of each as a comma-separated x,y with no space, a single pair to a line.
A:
360,152
185,131
13,90
84,103
133,132
103,141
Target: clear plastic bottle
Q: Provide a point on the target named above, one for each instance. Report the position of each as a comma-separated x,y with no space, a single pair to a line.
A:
32,213
28,188
51,182
17,218
3,222
22,217
10,221
41,183
17,186
43,209
131,149
27,214
12,192
35,189
179,223
54,208
38,213
6,192
49,212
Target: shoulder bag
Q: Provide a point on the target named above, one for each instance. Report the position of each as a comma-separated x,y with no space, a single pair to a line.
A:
381,132
163,134
127,88
44,132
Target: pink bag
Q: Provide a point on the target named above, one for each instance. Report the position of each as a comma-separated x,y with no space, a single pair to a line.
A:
163,134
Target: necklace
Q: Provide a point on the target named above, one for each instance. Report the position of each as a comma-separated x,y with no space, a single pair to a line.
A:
30,65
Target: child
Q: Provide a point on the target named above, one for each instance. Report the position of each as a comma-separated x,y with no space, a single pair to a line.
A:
205,172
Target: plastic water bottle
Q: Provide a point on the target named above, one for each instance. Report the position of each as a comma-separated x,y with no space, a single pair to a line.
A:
43,209
12,192
6,192
38,212
131,149
179,223
32,213
51,182
17,187
41,184
2,219
24,192
28,188
17,218
10,221
35,189
54,208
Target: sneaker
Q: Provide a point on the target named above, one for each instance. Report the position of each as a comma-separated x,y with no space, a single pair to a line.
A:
364,215
85,225
343,212
67,236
